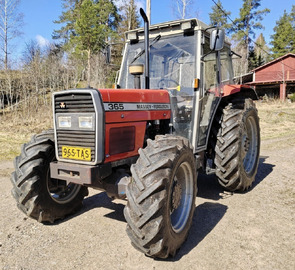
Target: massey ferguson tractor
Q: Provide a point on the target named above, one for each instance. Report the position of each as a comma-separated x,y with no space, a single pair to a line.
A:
175,111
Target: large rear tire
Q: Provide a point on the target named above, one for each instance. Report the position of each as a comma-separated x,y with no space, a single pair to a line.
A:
37,195
237,146
161,196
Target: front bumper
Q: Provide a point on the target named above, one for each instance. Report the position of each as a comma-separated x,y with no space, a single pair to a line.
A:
79,174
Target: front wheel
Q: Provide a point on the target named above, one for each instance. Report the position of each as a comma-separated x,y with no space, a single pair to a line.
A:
161,196
37,194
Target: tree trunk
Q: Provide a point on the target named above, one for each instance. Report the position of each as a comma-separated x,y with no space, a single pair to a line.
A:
5,36
89,67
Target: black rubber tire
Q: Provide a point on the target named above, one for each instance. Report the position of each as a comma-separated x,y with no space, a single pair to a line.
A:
237,146
31,180
151,221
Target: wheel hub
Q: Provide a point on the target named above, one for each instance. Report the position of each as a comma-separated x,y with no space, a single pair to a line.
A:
60,192
250,145
176,196
246,143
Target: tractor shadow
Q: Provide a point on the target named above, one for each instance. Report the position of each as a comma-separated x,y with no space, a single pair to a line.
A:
206,216
264,169
100,200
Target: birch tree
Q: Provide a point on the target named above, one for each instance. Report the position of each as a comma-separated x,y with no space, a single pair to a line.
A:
182,7
10,24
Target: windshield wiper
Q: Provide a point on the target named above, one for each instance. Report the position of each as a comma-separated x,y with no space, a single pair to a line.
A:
156,39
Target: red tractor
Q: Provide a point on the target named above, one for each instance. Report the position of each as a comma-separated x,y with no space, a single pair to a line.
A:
175,111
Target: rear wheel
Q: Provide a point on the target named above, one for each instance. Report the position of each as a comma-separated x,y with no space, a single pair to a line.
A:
37,194
161,196
237,147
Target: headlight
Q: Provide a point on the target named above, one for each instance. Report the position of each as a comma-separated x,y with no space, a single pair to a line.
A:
64,121
86,122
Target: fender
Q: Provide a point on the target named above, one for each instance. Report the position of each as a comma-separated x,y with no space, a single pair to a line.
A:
232,93
239,91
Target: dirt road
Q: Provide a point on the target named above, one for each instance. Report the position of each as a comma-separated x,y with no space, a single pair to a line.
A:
254,230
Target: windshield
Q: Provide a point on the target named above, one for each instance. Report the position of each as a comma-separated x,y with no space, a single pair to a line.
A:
172,67
171,63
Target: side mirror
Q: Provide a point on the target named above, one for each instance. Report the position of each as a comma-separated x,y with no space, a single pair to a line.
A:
217,39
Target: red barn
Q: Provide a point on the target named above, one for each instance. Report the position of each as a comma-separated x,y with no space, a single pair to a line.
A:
276,78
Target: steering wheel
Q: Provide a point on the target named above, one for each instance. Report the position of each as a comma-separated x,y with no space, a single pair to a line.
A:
167,80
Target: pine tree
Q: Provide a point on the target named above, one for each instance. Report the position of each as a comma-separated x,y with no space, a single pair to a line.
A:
292,15
249,20
258,54
255,58
283,39
89,25
219,17
67,19
261,49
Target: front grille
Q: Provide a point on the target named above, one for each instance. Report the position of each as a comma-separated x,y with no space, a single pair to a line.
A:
76,138
74,103
69,103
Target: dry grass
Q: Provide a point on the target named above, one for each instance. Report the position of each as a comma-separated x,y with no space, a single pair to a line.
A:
277,123
18,127
277,119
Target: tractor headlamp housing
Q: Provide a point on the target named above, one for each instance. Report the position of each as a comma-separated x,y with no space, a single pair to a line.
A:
86,122
64,121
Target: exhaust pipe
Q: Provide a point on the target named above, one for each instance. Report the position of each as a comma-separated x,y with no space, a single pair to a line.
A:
146,48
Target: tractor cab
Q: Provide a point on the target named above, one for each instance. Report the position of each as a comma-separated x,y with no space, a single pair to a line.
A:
182,60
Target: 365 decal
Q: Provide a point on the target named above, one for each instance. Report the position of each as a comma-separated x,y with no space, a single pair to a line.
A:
115,107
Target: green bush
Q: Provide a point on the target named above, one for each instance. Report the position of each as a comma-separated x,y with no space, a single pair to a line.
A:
292,97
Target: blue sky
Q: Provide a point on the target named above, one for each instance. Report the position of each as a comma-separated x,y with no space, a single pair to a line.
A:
40,14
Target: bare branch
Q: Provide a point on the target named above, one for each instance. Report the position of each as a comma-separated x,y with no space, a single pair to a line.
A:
10,23
182,7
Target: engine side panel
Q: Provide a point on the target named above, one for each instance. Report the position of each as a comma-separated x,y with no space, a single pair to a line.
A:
123,140
127,113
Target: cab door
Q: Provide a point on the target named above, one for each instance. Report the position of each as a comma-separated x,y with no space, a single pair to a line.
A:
216,71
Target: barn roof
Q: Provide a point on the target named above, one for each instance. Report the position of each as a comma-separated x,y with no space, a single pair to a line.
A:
274,61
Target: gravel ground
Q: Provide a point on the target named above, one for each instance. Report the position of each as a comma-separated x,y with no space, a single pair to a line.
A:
252,230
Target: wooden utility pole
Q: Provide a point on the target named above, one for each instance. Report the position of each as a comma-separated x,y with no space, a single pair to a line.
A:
148,10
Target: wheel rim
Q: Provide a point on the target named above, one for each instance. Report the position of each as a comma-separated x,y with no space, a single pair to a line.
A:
250,145
181,197
59,191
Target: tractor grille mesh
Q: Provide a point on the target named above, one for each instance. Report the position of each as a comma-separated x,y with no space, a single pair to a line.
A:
75,103
78,139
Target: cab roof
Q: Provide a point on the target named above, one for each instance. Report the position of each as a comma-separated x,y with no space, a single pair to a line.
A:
167,28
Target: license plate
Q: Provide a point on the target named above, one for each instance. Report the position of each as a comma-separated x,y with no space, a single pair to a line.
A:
79,153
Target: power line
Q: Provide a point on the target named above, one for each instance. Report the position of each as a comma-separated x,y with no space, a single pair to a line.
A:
234,24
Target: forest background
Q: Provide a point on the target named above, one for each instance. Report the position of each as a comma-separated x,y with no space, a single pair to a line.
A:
76,56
